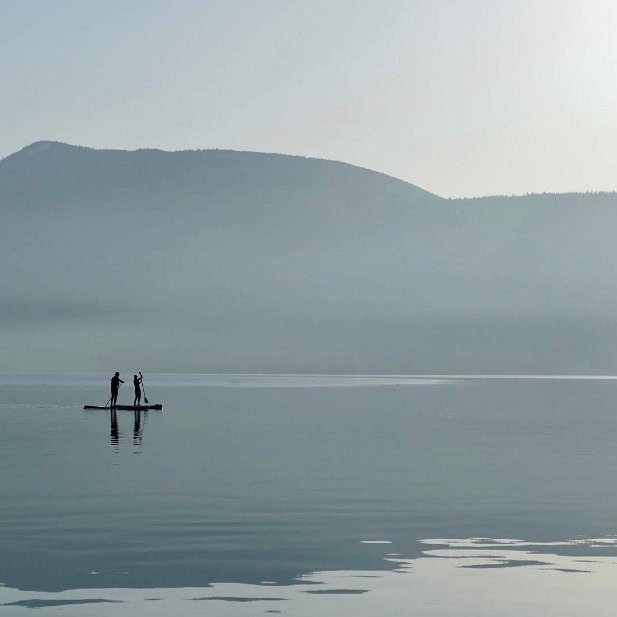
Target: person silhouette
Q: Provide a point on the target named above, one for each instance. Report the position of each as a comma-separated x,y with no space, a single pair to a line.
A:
115,386
137,383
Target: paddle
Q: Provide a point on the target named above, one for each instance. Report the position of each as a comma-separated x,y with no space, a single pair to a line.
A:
143,387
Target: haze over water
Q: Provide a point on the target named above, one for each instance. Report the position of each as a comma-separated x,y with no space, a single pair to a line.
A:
304,494
278,195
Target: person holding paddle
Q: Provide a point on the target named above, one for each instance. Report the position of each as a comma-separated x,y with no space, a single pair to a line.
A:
115,386
137,383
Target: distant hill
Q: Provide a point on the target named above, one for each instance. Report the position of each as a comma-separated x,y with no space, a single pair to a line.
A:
239,261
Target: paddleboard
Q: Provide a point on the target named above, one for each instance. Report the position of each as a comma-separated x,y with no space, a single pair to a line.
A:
157,406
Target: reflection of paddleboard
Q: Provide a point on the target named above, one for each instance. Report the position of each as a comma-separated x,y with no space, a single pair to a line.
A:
158,406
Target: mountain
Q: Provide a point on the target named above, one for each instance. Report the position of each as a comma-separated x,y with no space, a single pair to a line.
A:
240,261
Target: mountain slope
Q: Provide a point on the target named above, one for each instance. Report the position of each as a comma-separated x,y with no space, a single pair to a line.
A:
218,260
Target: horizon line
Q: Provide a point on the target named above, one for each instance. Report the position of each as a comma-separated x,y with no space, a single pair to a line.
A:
538,376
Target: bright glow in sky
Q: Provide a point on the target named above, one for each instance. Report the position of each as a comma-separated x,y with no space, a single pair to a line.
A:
460,97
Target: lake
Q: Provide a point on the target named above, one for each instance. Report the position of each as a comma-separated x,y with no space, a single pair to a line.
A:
309,495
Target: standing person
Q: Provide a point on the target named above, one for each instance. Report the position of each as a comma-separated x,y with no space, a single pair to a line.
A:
115,385
137,383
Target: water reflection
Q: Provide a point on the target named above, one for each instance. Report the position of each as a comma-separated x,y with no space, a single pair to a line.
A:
115,433
470,577
138,430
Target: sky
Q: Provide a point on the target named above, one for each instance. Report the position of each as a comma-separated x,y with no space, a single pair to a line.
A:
462,98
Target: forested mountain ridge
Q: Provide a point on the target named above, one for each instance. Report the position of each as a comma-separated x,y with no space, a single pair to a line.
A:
221,261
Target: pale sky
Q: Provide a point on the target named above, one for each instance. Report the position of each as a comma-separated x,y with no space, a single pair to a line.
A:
462,98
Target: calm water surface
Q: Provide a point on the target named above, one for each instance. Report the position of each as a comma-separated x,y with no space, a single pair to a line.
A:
267,481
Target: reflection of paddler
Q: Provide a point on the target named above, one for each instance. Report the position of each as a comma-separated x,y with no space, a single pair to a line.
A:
137,428
115,386
115,433
137,383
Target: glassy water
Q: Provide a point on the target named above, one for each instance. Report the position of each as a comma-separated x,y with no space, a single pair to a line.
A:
299,494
